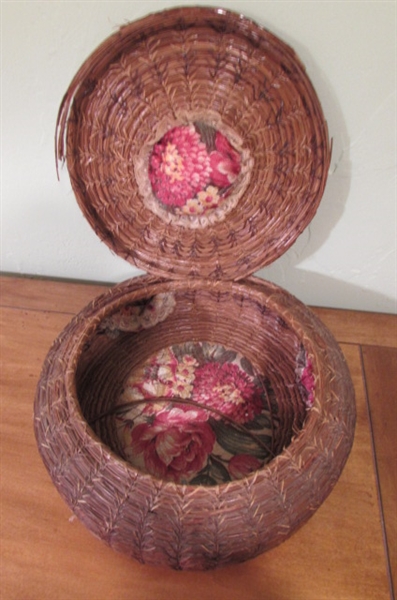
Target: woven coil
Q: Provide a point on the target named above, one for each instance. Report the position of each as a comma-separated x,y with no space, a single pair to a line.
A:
239,104
173,69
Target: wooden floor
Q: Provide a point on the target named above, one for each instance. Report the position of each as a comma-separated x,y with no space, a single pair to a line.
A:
347,551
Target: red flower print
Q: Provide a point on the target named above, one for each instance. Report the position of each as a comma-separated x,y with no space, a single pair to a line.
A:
225,162
242,465
179,166
174,446
226,388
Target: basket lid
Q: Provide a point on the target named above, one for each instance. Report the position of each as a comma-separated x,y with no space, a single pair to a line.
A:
195,143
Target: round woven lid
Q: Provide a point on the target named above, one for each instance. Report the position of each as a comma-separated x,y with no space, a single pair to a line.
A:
195,144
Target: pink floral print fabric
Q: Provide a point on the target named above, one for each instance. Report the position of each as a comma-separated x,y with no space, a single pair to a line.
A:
174,445
305,377
141,315
307,380
215,427
192,168
229,390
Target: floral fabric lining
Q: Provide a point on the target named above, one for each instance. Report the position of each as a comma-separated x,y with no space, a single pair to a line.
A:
192,168
197,414
305,377
140,315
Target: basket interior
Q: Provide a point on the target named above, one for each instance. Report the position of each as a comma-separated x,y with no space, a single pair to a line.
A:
195,386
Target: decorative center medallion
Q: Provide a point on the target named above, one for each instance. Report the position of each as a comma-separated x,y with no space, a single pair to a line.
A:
192,169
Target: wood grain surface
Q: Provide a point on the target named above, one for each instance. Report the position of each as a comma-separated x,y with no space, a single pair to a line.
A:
380,366
345,552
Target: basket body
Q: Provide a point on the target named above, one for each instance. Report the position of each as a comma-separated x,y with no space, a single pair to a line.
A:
195,526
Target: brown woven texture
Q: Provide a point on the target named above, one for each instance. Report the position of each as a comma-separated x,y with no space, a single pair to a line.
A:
173,69
185,526
178,67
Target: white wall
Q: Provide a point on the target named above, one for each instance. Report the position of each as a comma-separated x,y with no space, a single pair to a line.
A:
346,258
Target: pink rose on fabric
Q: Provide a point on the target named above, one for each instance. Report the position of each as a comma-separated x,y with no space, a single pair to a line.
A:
225,162
175,445
179,166
228,389
242,465
307,380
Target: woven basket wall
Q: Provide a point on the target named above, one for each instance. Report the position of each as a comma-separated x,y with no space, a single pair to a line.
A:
264,454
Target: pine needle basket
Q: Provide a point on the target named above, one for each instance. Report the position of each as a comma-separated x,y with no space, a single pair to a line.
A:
195,416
